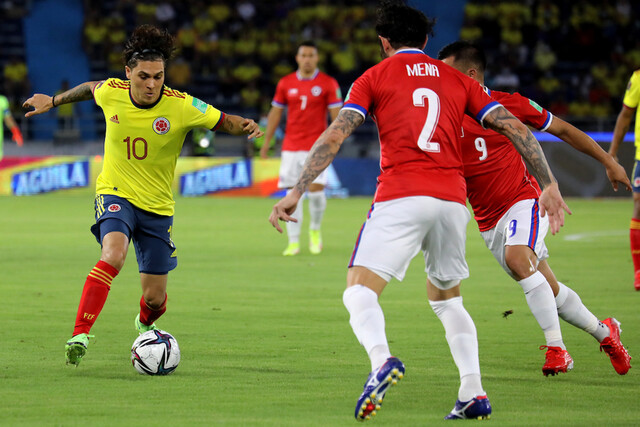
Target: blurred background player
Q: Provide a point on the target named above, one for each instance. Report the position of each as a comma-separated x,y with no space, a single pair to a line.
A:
16,135
627,112
146,124
307,94
504,198
420,202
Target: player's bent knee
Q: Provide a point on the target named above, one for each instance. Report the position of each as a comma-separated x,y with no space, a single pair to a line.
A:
114,258
520,267
522,261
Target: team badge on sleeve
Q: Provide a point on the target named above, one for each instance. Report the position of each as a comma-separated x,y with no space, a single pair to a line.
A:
535,105
200,105
161,125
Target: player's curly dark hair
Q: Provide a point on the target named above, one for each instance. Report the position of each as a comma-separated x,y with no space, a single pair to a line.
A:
402,25
148,43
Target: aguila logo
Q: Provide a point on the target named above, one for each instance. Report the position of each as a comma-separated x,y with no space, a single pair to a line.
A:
114,208
161,125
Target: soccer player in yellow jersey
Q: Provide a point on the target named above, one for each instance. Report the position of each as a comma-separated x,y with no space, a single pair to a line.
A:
146,126
628,111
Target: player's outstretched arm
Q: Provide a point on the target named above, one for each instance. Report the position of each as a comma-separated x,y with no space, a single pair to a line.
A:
621,128
236,125
502,121
583,142
273,120
42,103
322,153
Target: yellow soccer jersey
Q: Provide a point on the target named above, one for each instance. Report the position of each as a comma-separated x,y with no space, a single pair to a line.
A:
142,143
631,100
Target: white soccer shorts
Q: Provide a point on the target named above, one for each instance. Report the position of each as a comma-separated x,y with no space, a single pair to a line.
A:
291,164
520,225
396,230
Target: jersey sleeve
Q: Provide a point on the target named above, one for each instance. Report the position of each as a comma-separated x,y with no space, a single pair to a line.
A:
280,97
632,94
479,103
359,97
199,114
528,112
99,91
334,94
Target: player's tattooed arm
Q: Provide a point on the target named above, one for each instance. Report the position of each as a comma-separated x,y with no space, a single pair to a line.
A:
82,92
502,121
327,146
42,103
231,124
236,125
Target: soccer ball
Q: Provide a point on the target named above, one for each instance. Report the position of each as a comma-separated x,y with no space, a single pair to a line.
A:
155,352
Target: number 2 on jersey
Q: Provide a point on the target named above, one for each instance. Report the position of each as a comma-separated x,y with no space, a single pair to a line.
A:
433,114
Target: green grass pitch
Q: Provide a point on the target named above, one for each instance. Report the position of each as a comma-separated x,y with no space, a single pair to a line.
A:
265,339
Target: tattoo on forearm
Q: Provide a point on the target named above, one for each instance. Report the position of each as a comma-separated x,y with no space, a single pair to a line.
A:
81,92
502,121
347,121
228,125
327,146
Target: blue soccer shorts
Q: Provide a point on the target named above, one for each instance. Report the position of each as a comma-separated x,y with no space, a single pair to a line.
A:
635,177
150,233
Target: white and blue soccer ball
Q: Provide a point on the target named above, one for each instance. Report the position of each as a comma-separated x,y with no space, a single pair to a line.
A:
155,352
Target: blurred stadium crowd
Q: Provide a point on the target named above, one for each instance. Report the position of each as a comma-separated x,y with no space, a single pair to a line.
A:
232,54
573,57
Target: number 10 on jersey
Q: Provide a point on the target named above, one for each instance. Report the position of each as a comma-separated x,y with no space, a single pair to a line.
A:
136,148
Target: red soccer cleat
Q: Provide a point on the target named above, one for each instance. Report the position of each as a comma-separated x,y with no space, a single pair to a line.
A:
611,345
557,360
636,281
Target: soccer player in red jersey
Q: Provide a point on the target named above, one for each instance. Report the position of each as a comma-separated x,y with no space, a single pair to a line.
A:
307,94
504,198
146,123
418,104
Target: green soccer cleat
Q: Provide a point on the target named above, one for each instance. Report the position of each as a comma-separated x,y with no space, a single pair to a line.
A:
76,348
292,249
315,242
141,327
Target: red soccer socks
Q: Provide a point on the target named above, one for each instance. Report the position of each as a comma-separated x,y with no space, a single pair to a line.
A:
94,294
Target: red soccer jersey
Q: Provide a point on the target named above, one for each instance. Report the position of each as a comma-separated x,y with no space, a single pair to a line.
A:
496,175
418,104
307,101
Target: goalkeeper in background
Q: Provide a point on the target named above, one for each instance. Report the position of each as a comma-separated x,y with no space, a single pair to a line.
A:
16,135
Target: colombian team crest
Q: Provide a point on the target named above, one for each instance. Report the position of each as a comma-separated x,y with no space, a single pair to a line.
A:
114,208
161,125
